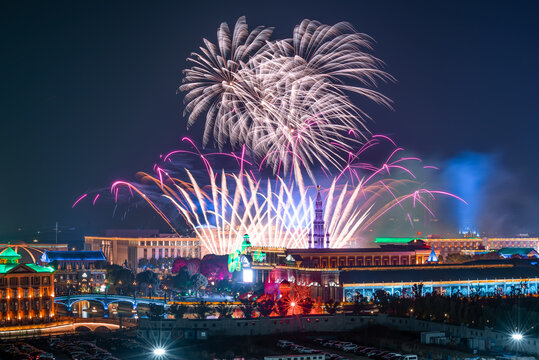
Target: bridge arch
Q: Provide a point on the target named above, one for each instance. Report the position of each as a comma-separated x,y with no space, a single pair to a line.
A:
89,301
82,328
102,329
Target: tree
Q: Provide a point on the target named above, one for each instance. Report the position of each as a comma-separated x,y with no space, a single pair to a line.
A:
178,264
215,267
491,255
457,258
147,278
156,312
247,307
143,263
360,304
182,280
201,310
224,309
119,276
199,281
417,290
152,263
306,305
223,286
282,306
266,306
178,310
382,297
332,306
193,266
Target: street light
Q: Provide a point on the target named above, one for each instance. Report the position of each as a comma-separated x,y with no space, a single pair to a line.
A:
516,336
159,351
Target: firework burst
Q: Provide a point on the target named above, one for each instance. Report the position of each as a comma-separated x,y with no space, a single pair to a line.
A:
221,206
286,100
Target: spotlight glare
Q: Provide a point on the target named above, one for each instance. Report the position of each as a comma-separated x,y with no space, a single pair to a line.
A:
159,351
516,336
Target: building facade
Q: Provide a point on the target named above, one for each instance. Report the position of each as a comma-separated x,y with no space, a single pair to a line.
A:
364,257
447,246
126,248
77,271
26,291
516,242
481,278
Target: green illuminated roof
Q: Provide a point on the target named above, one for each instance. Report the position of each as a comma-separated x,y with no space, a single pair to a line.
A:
9,254
37,268
516,251
393,240
5,268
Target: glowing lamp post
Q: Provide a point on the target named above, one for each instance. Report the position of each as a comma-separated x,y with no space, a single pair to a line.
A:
159,352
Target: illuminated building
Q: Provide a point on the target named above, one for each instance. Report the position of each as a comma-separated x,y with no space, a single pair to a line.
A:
481,278
452,246
516,242
127,247
447,246
520,252
442,246
409,254
26,291
76,270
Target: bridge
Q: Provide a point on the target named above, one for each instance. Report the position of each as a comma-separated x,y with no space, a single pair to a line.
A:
64,327
105,300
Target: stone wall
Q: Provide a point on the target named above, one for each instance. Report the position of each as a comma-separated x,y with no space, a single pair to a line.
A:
201,329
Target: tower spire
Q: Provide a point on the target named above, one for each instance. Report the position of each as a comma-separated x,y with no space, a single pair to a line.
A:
319,237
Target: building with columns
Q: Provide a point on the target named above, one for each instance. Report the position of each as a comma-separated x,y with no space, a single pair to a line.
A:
127,247
26,291
389,255
454,245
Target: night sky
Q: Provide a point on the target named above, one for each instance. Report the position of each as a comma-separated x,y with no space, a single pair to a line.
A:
88,94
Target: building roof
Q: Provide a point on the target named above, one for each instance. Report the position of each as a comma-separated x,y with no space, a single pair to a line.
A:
9,254
516,251
394,240
50,256
6,268
383,248
436,273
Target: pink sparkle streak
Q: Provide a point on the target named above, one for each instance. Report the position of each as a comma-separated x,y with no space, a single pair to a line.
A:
78,200
95,199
